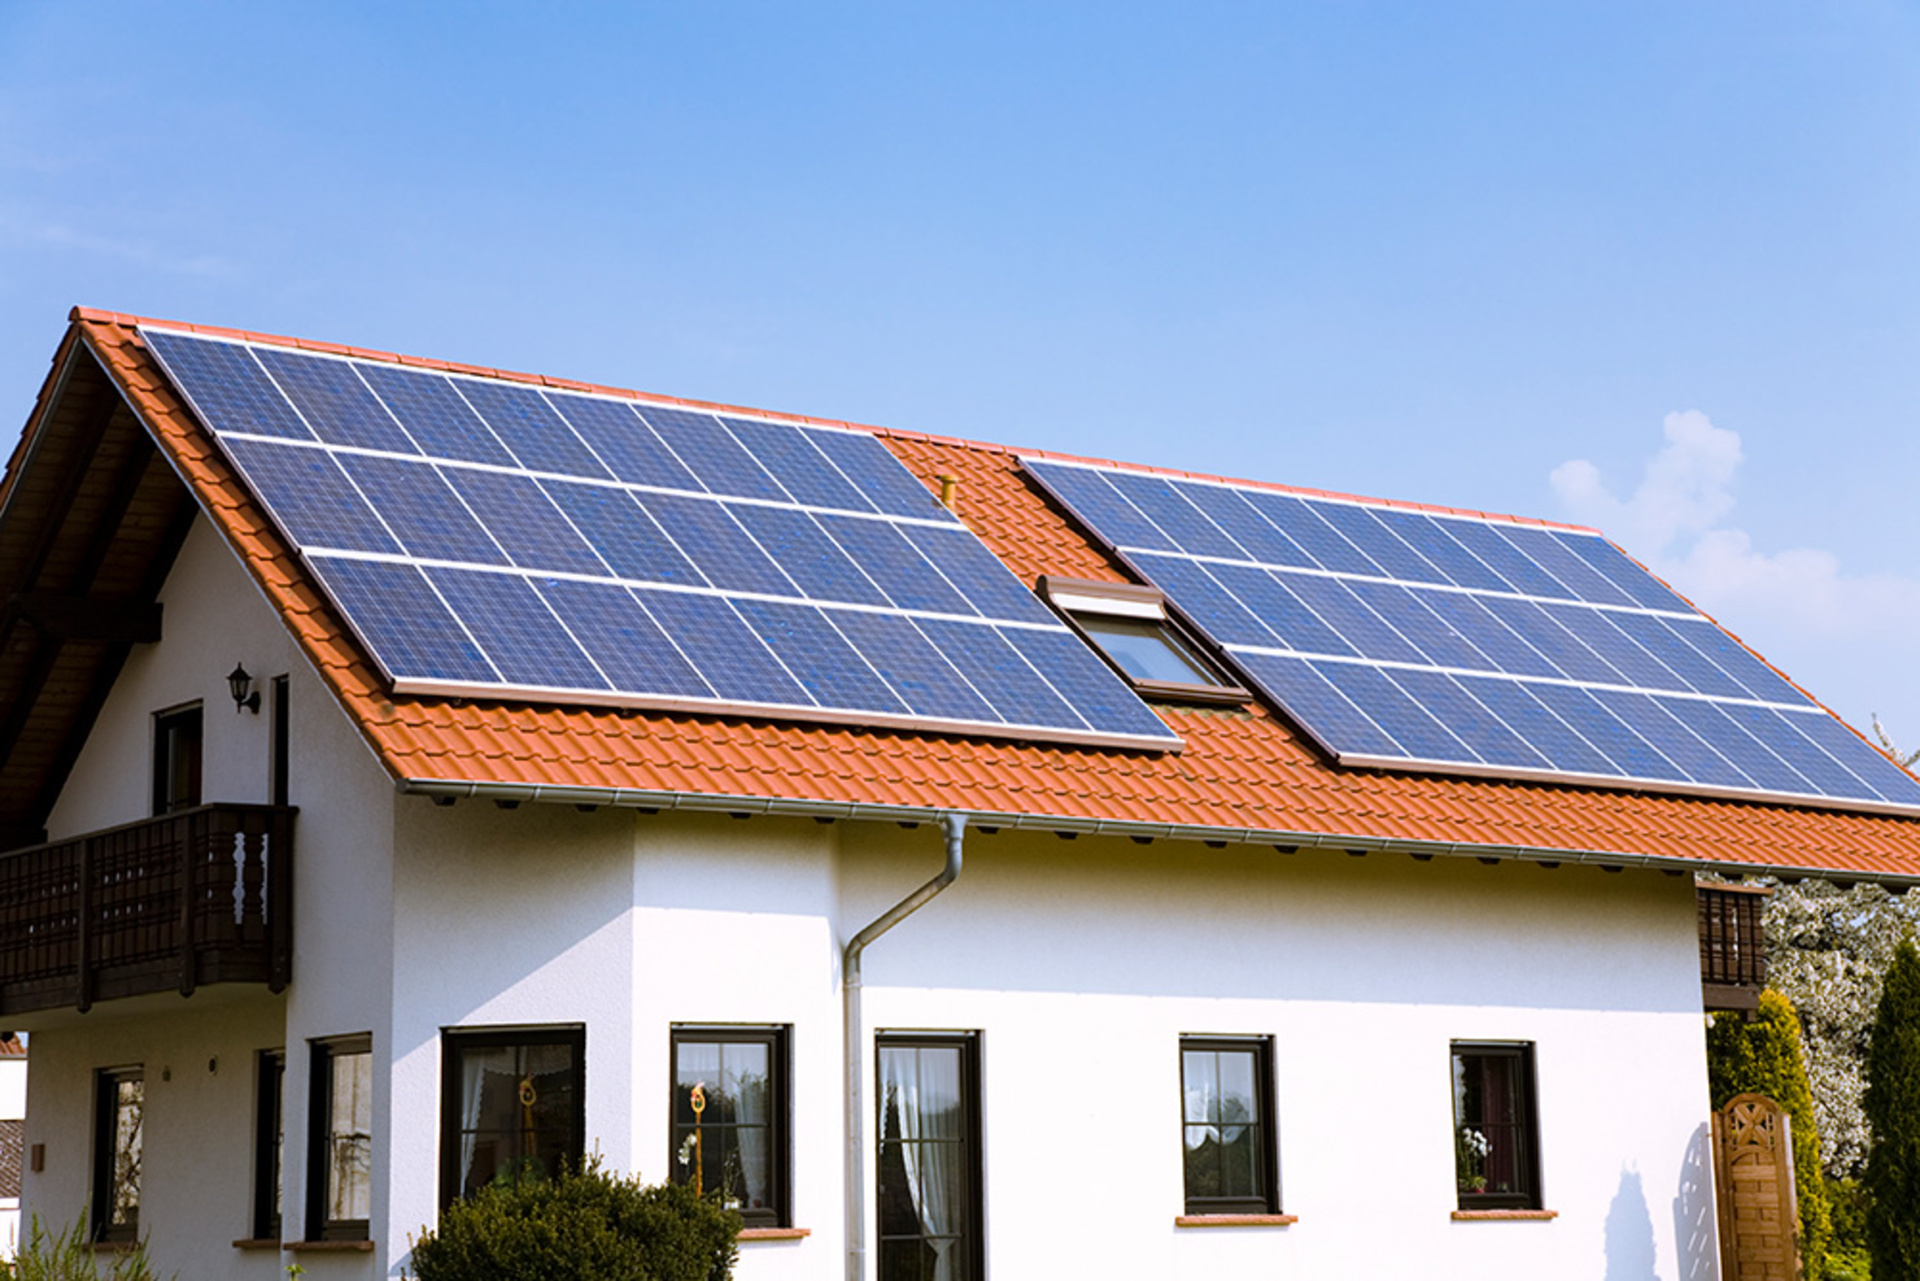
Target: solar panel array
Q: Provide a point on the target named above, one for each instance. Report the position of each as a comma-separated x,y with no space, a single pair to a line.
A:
492,538
1402,638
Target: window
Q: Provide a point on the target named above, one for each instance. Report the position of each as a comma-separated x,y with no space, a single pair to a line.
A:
1495,1144
1128,625
1227,1131
120,1108
269,1139
282,739
730,1132
513,1103
929,1167
340,1147
176,760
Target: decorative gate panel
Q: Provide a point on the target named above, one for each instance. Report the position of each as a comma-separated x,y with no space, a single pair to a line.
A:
1753,1186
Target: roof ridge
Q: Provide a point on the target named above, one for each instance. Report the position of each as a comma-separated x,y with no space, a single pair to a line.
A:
123,319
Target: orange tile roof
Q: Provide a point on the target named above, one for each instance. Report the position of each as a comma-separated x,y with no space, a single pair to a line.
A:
1245,773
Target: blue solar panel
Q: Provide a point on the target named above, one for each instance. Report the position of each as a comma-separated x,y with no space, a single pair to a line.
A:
311,497
624,535
434,414
712,454
422,510
1440,641
225,384
930,685
724,552
539,438
908,578
335,403
831,671
403,620
564,546
622,638
622,440
522,520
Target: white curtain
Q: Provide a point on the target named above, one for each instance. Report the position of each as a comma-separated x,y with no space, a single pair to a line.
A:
924,1087
749,1089
473,1067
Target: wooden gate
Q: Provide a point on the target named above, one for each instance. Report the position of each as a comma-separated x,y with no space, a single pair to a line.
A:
1753,1188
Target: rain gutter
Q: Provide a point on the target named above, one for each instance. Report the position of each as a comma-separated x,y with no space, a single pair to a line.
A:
448,790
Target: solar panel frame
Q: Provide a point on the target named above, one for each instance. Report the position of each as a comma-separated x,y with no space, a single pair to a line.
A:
539,549
1606,680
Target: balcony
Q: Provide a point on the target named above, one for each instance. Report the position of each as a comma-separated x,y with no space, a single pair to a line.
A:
1733,946
196,897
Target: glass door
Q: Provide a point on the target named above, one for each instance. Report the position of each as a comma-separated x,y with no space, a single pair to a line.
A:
929,1159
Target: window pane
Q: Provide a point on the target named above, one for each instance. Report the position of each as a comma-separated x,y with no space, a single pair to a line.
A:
350,1138
726,1122
129,1111
1493,1125
1144,650
1224,1141
925,1173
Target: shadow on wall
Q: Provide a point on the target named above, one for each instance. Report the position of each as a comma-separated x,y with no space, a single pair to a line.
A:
1695,1221
1630,1232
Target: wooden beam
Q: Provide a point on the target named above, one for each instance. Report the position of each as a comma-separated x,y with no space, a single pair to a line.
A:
62,617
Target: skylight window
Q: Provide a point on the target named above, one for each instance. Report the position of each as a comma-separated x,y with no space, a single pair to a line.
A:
1129,626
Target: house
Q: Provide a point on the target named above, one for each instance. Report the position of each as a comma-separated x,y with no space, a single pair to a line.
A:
1012,923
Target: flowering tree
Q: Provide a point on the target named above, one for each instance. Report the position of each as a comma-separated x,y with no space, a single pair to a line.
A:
1827,950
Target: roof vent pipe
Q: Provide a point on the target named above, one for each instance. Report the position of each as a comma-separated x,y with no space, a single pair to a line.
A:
856,1059
949,491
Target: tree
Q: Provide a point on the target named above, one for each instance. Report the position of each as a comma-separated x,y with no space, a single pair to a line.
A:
1763,1057
1827,949
1893,1110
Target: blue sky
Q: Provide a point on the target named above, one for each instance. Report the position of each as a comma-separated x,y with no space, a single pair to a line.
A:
1651,266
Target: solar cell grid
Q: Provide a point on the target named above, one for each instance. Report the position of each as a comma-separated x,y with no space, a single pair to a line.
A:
1444,641
490,537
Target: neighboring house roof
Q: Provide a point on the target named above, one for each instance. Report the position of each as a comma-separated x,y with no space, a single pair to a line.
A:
1245,774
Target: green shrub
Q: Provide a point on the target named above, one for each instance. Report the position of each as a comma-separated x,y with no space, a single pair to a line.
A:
67,1254
1893,1112
1763,1057
586,1226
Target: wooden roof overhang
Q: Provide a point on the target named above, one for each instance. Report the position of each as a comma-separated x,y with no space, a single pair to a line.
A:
92,516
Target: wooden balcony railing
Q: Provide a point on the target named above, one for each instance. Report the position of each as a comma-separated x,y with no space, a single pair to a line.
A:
200,896
1733,946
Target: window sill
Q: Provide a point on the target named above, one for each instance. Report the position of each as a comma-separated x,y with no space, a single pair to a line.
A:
1234,1220
322,1247
773,1234
1503,1216
112,1247
257,1243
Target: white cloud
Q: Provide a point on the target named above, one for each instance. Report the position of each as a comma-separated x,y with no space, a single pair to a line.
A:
1844,637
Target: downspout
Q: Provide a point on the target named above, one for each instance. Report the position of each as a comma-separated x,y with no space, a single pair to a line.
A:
956,825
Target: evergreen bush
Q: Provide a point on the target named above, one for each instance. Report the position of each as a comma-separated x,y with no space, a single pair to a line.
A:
1893,1114
1763,1057
584,1226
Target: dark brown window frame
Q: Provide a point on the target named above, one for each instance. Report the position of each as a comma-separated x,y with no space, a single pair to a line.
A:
167,737
778,1039
319,1152
106,1119
453,1040
1530,1194
269,1137
971,1057
1130,599
281,704
1261,1047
